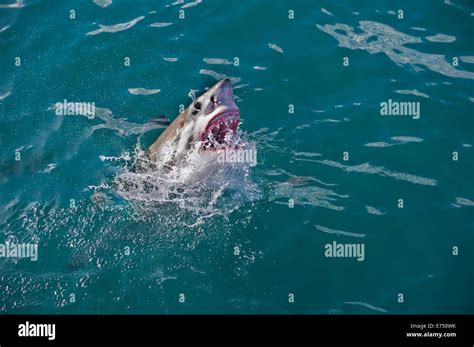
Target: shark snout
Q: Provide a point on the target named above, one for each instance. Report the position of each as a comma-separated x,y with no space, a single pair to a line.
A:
223,94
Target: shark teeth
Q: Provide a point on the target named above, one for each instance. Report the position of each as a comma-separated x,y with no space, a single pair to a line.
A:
220,129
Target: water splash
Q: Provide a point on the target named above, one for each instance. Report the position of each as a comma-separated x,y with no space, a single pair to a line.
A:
200,183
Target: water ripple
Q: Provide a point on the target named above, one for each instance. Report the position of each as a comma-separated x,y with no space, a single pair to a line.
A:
381,38
337,232
412,92
307,195
16,4
381,171
143,91
160,25
103,3
441,38
364,304
116,27
275,47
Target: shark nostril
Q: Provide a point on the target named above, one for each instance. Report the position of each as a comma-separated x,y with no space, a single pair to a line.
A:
213,99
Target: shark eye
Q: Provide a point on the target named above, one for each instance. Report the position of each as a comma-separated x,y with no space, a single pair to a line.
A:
196,108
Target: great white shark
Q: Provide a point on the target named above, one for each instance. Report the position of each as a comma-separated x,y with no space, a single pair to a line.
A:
210,121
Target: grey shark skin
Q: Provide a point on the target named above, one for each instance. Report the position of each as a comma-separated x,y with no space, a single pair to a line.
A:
209,119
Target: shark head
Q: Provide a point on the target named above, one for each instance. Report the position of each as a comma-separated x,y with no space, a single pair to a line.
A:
210,121
213,118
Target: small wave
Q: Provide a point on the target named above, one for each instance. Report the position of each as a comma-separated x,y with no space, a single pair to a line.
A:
219,76
441,38
276,48
373,210
306,195
464,201
4,95
307,154
297,180
406,139
448,2
240,86
381,38
401,140
217,61
323,10
412,92
103,3
172,60
328,120
160,25
381,171
143,91
364,304
16,4
192,4
50,167
120,125
115,28
467,59
378,144
260,67
337,232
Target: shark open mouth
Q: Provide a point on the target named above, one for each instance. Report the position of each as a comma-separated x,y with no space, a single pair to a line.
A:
220,129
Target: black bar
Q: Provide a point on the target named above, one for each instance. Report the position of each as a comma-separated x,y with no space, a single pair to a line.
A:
329,329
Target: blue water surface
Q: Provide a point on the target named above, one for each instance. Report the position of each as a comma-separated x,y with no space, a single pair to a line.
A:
309,78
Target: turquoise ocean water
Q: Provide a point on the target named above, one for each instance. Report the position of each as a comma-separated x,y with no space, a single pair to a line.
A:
329,167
